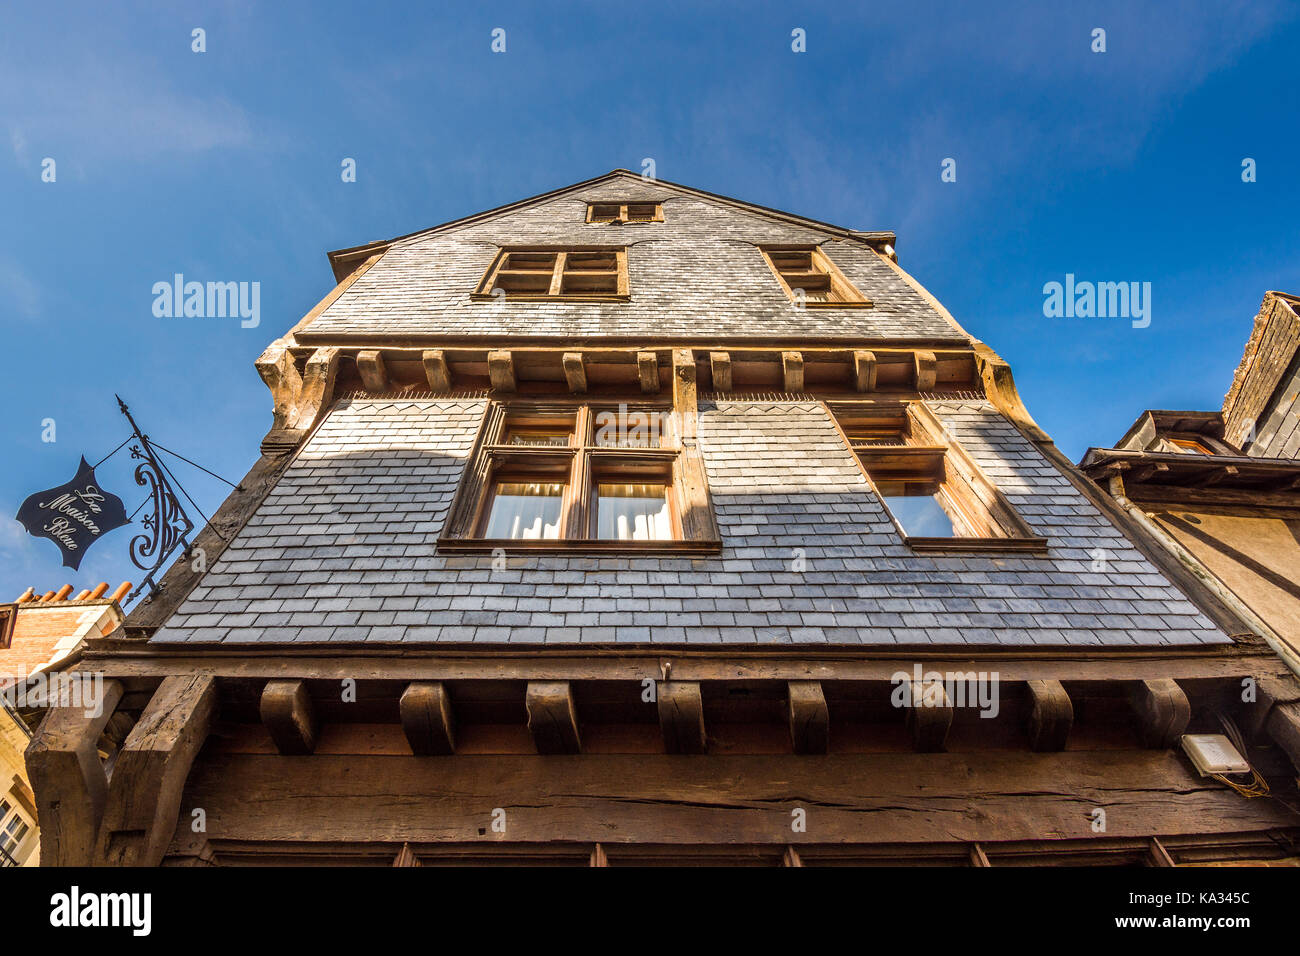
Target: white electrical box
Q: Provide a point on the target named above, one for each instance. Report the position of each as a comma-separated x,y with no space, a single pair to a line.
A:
1214,753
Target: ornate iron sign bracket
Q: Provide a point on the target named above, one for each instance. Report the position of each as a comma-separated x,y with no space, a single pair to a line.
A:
167,527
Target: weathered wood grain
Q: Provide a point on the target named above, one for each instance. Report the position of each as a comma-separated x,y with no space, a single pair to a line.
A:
68,779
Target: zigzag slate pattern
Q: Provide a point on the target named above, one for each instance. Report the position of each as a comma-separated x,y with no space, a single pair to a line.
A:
343,549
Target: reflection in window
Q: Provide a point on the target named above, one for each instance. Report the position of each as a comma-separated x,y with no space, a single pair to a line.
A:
551,437
525,510
632,512
917,506
13,829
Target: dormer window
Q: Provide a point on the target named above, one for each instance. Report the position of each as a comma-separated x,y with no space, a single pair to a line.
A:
811,280
934,491
612,212
1189,446
576,273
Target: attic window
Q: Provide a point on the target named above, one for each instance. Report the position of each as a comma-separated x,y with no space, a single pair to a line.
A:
811,280
612,212
1189,446
933,490
578,273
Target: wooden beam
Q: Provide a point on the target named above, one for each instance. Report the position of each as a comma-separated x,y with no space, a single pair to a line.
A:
647,366
289,717
277,368
926,370
406,857
1283,726
977,856
792,371
681,716
552,717
1162,712
809,717
1050,717
791,857
929,717
144,795
598,857
1157,855
1227,662
1144,472
501,370
859,798
864,371
720,365
317,386
684,392
370,363
68,779
436,371
1213,476
427,718
574,372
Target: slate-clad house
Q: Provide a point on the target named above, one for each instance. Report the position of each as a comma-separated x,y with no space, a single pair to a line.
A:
632,524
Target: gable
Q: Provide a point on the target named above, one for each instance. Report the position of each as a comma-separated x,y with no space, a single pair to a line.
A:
699,274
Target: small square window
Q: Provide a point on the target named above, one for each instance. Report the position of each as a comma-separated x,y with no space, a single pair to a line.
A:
1189,446
608,212
630,428
553,431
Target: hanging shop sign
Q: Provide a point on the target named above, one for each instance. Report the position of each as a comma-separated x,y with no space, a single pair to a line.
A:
74,515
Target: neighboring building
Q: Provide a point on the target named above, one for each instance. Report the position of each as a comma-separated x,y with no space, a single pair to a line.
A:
622,525
1221,490
37,636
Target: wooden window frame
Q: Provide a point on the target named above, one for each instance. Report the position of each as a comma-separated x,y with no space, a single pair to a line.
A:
1197,443
581,467
850,296
623,217
982,517
485,291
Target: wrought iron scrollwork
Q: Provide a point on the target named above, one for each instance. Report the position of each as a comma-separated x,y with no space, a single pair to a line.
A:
166,525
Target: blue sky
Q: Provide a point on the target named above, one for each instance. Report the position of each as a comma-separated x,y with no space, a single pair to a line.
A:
1115,166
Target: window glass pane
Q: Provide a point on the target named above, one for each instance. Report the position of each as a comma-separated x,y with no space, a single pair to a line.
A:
920,515
530,262
525,510
632,512
538,435
13,828
621,428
